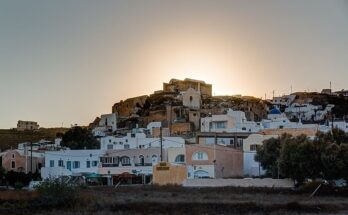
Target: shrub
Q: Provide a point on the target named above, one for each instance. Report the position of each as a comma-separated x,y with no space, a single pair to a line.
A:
55,192
18,185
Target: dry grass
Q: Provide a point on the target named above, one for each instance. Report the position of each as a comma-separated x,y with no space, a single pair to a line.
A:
17,195
11,137
173,200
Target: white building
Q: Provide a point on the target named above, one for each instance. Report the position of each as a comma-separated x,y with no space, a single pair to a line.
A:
308,111
343,125
233,121
251,167
41,145
138,141
278,120
107,124
285,100
70,162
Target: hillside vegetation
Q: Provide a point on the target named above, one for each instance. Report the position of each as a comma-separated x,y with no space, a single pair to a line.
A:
11,137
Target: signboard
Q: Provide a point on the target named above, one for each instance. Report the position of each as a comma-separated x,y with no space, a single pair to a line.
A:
162,167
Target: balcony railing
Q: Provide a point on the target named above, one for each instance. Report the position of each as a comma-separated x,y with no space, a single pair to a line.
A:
143,164
110,165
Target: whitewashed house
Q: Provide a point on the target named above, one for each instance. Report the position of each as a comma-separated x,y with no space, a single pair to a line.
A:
137,140
284,101
308,111
70,162
278,120
107,124
233,121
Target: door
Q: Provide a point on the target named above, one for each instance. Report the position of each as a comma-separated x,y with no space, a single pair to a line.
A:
68,165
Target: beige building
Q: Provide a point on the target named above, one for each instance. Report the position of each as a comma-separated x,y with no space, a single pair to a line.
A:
165,173
176,155
27,125
191,98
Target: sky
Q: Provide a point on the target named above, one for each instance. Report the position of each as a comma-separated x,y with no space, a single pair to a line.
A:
65,62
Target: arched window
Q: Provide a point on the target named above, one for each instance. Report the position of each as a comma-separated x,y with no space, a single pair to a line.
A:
201,174
200,156
180,158
125,161
154,159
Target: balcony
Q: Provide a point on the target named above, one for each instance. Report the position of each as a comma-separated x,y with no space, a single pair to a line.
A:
110,165
143,164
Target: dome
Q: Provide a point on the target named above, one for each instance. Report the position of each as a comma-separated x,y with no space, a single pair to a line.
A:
274,111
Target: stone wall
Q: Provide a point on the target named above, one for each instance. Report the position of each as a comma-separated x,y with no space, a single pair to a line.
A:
176,85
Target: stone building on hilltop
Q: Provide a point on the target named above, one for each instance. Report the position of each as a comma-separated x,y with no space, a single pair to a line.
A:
176,85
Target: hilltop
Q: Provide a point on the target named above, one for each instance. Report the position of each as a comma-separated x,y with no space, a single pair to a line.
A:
11,137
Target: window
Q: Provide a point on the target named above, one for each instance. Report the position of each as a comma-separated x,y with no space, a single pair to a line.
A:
13,164
109,140
13,155
126,146
110,146
125,160
115,160
88,164
191,98
180,158
200,156
76,164
141,160
220,124
154,159
244,128
51,163
94,163
254,147
281,126
60,163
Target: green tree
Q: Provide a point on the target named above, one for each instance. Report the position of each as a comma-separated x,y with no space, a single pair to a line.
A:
299,159
336,135
79,138
332,161
269,153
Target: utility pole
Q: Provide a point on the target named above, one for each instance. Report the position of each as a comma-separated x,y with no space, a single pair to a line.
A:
31,160
161,141
330,88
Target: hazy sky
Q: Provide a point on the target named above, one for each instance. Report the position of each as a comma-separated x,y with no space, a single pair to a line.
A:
69,61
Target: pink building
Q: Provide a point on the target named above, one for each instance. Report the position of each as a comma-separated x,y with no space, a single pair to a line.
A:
213,161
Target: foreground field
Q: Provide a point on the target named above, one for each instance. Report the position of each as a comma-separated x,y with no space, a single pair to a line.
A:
136,200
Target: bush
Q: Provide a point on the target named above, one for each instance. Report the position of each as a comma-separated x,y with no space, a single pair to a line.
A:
55,192
18,185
